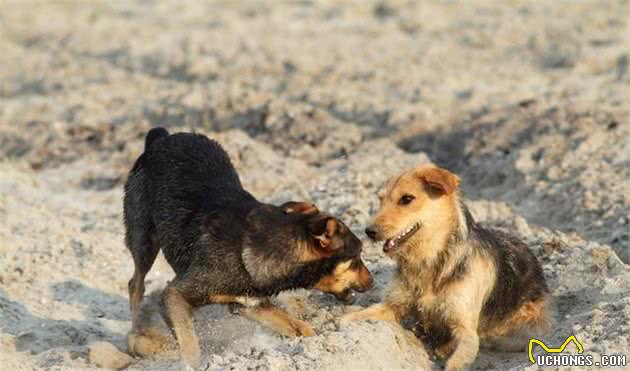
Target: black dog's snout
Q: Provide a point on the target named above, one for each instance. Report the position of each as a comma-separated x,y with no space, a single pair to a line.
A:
366,287
371,232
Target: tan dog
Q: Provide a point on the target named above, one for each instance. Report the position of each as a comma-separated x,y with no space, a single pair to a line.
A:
462,281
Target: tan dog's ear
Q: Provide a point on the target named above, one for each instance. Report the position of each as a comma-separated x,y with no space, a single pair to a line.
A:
295,207
438,179
323,229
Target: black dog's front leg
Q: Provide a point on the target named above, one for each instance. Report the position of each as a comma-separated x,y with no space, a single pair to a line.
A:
277,319
178,315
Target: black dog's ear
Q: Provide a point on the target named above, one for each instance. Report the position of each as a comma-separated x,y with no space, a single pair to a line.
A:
323,229
296,207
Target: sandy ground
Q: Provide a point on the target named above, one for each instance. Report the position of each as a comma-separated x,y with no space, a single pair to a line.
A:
529,102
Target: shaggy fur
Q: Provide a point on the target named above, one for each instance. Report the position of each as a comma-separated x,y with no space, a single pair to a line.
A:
465,283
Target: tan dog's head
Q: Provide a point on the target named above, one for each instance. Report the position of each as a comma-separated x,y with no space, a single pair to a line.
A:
416,206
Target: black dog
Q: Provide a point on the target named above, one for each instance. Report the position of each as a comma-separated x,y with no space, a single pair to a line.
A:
184,196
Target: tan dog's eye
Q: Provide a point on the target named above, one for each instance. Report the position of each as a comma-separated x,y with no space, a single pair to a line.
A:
406,199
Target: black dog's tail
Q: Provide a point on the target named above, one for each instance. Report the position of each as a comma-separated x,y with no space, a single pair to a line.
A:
153,135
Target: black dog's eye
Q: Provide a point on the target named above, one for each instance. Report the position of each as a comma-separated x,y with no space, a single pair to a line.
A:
406,199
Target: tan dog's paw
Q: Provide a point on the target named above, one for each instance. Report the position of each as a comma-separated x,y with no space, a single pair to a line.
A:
357,315
377,312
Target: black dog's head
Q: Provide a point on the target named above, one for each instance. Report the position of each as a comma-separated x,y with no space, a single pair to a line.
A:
331,242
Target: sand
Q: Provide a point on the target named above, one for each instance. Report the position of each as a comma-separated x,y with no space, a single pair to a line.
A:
528,102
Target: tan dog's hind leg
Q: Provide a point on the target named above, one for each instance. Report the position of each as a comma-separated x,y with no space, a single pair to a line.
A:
277,319
531,320
517,339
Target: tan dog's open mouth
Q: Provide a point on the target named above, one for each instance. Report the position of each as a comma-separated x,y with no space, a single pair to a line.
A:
393,243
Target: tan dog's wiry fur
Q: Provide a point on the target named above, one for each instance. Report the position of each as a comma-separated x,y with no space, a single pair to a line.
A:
463,282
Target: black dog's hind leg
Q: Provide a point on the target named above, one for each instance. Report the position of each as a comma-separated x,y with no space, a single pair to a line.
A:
144,253
143,339
138,238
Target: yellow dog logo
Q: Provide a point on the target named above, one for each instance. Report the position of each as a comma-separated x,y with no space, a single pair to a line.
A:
560,349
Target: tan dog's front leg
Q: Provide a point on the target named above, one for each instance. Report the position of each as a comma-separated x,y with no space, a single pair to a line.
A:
277,319
397,305
466,349
379,312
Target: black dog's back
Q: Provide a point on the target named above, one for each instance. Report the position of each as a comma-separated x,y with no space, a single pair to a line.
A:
191,165
179,179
